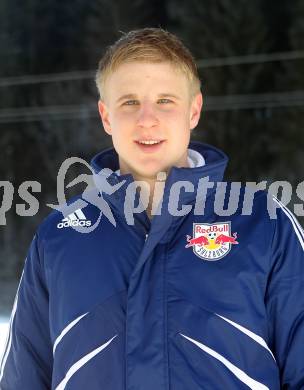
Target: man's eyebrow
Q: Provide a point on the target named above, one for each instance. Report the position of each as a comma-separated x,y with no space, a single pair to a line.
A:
127,96
160,95
169,94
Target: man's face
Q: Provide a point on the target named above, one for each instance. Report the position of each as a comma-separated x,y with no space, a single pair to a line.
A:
148,110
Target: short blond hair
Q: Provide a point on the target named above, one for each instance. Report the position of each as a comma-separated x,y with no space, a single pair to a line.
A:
148,45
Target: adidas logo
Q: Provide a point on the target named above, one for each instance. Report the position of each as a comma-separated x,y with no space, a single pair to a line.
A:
77,218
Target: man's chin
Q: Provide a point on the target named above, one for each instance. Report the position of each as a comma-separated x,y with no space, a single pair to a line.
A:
151,173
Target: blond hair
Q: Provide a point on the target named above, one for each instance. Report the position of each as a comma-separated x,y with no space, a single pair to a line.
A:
148,45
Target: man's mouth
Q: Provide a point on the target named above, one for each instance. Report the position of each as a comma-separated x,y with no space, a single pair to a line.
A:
149,142
150,145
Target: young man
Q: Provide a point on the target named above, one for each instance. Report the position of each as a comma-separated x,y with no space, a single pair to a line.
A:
183,298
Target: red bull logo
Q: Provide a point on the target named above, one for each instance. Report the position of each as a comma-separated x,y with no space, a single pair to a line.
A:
211,241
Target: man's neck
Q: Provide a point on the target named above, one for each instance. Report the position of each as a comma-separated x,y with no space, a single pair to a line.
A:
151,191
152,187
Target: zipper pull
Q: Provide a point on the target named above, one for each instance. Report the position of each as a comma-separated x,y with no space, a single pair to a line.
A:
146,237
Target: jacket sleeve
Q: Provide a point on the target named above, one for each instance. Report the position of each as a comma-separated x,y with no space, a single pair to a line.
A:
27,359
285,299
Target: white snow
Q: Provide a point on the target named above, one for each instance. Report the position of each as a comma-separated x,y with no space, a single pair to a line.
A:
4,322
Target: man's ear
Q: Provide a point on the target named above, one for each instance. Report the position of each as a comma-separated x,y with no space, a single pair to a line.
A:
195,110
104,115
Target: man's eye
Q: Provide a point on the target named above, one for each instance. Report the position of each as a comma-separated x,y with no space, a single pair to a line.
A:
164,101
130,102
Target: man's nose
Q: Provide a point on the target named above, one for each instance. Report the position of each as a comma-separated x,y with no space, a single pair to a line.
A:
146,115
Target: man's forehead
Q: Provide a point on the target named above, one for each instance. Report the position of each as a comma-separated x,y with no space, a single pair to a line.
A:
161,79
137,72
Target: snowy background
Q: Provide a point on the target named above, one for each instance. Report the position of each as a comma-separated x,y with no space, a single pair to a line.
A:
3,333
7,296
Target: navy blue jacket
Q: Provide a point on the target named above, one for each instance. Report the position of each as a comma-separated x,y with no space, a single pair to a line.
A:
177,302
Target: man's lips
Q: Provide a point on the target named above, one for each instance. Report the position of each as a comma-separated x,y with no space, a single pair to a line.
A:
150,148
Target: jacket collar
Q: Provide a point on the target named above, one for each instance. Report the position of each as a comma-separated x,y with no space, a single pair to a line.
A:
214,167
164,224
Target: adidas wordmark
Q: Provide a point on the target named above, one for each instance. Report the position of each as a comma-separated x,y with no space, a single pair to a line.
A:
77,218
